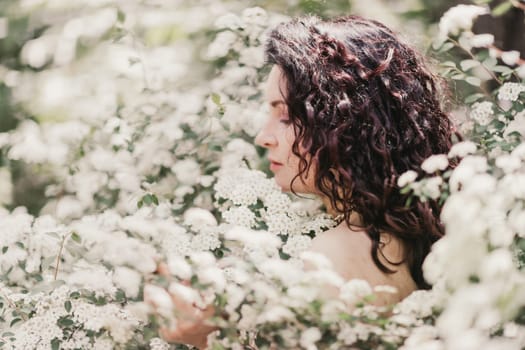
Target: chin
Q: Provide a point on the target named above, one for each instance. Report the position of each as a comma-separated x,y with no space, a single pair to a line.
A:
285,186
298,186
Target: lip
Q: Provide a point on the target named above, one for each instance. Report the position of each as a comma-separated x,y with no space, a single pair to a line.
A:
274,165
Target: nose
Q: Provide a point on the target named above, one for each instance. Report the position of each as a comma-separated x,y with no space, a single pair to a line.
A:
265,138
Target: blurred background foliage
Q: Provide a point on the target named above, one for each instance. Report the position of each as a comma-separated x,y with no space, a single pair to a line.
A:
24,20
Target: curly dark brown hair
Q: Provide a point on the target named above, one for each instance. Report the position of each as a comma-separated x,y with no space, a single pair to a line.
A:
365,109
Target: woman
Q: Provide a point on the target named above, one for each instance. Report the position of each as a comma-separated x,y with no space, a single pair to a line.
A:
352,108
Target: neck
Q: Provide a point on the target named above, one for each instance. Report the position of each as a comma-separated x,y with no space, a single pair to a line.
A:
354,220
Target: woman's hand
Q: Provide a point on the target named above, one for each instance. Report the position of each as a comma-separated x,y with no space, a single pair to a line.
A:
191,327
191,324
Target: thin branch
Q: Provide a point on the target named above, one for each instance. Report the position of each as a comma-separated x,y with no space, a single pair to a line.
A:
60,255
491,73
13,305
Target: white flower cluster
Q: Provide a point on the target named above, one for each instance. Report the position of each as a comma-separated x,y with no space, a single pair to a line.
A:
482,112
481,214
436,162
459,18
140,131
482,40
510,91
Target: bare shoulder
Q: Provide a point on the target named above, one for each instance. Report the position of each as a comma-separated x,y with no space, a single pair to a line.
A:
341,239
349,251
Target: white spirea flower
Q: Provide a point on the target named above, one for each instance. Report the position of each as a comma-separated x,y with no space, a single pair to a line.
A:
128,280
466,169
431,187
187,294
241,216
158,344
510,58
252,57
229,21
203,259
510,91
282,270
482,40
508,163
254,16
434,163
199,218
482,112
496,265
281,224
159,298
37,52
423,338
462,149
95,278
406,178
309,337
297,244
516,125
178,266
355,290
222,44
275,314
459,18
316,260
187,171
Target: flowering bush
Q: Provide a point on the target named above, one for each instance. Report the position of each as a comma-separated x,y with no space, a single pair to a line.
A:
149,158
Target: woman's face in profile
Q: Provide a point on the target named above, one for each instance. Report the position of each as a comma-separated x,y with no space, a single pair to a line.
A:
277,136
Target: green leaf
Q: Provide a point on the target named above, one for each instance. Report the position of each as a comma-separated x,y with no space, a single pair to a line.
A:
449,64
473,98
468,64
503,70
55,344
66,322
67,305
216,98
149,199
4,249
445,47
405,190
15,320
121,16
501,9
490,62
53,234
475,81
75,237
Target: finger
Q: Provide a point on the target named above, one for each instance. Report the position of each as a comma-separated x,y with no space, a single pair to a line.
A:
186,310
163,270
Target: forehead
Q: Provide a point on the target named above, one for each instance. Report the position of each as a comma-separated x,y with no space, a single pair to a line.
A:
275,85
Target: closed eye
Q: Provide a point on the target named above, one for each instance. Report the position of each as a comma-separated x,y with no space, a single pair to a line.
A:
285,121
